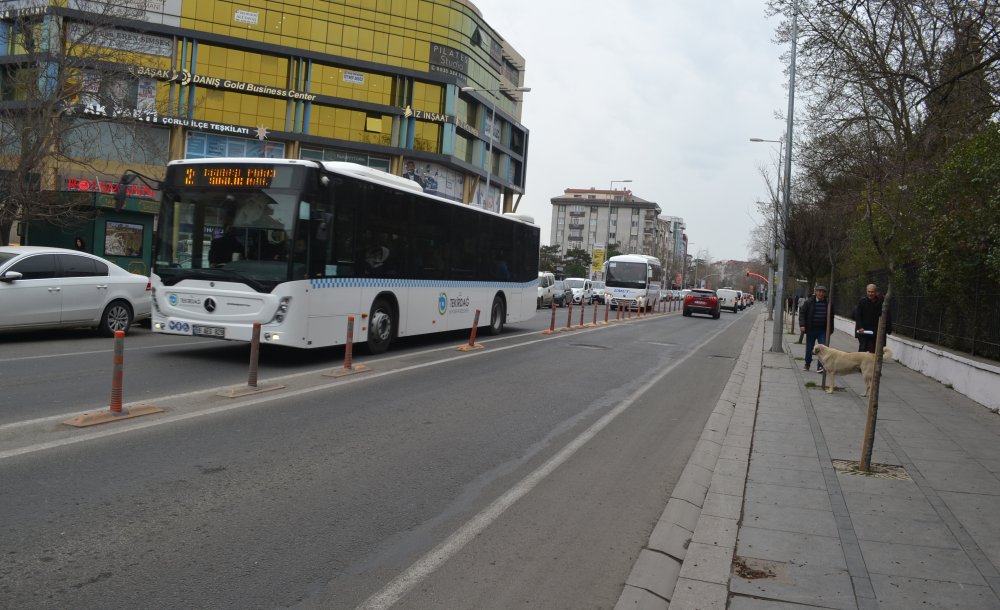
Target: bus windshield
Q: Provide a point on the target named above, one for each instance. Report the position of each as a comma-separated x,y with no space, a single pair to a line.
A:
626,275
224,232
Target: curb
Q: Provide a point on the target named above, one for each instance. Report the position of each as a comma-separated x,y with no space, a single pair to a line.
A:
688,558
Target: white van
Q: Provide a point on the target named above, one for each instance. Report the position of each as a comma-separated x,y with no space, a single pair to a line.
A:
729,299
583,289
545,282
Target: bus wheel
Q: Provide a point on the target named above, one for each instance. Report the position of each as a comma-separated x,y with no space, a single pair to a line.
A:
497,316
381,327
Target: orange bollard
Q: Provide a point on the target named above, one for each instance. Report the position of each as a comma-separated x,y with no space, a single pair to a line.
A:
349,346
475,327
115,411
583,309
254,355
595,315
349,367
607,305
630,312
552,324
117,372
569,315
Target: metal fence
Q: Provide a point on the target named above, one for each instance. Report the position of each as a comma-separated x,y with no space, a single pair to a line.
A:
968,320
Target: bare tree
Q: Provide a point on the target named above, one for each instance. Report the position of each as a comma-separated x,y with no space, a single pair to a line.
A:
68,99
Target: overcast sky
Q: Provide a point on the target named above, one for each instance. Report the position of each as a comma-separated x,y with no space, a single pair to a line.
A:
666,93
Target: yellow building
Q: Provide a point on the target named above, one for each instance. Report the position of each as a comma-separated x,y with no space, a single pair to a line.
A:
407,86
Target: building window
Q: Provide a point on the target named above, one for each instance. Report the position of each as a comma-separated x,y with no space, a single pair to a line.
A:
202,145
332,154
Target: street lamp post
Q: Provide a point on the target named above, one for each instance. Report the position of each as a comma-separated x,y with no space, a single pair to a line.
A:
786,194
770,286
493,118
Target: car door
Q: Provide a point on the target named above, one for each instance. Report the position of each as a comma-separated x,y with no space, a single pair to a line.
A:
35,299
84,283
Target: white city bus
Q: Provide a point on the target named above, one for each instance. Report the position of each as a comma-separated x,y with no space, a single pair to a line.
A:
634,281
301,245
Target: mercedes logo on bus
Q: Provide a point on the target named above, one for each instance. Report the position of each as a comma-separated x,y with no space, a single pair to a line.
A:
209,305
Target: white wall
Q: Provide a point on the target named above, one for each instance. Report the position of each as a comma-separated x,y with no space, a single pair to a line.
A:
977,380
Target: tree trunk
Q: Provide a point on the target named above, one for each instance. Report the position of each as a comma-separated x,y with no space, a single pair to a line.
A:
865,463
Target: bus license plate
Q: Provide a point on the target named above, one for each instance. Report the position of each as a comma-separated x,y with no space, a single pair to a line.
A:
209,331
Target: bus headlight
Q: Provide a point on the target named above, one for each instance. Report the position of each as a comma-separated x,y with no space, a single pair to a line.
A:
282,311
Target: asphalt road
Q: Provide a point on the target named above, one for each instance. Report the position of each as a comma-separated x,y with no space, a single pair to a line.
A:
529,473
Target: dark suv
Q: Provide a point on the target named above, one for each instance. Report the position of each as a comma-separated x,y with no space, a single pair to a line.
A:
701,300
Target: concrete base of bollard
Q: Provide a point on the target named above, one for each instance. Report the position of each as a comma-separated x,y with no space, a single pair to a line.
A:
107,416
344,371
246,390
469,348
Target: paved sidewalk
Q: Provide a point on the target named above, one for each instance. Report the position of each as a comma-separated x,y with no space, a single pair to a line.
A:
925,533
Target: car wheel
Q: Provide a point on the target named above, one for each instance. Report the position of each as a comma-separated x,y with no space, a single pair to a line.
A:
117,316
687,313
497,316
716,315
381,326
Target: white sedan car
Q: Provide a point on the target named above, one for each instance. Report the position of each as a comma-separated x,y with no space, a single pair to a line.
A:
54,287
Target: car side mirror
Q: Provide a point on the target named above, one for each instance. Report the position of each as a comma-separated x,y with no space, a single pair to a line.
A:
11,276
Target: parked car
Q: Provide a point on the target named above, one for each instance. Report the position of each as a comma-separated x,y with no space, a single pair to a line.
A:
600,296
583,289
545,281
561,294
53,287
728,299
702,300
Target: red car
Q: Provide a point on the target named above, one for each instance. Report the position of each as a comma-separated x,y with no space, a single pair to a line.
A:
701,300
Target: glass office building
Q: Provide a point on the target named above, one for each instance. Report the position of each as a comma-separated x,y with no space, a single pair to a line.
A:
376,82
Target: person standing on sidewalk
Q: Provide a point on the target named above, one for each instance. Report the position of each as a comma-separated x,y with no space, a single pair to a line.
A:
866,315
812,322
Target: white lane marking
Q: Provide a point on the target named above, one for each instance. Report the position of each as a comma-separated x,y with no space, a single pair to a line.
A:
98,351
393,592
168,419
209,391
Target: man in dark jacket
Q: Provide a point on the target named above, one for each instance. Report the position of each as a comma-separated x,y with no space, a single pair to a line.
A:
866,315
812,322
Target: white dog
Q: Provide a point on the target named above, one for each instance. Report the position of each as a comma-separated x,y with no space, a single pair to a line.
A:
837,362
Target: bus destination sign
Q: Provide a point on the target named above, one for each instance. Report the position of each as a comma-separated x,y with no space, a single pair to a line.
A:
229,176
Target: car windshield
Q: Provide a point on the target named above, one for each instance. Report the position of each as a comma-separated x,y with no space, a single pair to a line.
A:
574,283
559,285
598,285
6,256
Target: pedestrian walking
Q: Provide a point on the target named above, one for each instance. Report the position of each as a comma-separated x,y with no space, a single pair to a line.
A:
812,322
866,315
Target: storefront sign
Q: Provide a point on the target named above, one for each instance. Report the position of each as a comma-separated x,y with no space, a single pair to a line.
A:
448,60
357,78
121,40
183,77
88,185
248,17
434,117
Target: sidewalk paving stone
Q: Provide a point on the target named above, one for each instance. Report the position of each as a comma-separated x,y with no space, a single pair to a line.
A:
789,519
812,585
913,561
779,496
902,593
790,547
